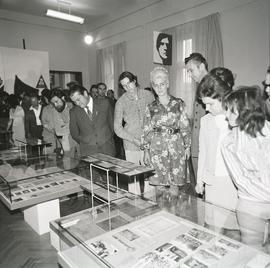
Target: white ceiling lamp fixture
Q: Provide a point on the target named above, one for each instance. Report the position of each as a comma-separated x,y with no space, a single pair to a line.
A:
62,15
88,39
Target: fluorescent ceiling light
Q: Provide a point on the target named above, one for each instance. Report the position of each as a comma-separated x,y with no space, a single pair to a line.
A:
64,16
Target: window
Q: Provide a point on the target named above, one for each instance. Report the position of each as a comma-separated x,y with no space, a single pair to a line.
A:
187,50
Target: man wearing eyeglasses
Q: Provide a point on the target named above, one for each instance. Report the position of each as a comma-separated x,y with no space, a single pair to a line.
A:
130,108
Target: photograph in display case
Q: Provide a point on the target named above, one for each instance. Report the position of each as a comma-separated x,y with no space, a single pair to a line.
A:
218,251
187,242
42,188
193,263
103,249
205,257
201,235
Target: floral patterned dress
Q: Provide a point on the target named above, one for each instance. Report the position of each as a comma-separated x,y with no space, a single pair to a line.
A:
167,149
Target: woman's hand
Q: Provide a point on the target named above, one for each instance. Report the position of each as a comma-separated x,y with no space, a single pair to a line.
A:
137,142
146,158
199,188
187,153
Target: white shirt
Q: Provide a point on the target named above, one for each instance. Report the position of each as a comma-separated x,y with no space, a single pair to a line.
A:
222,124
89,105
37,114
248,160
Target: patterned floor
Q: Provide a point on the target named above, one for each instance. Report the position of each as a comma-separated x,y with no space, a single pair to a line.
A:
20,246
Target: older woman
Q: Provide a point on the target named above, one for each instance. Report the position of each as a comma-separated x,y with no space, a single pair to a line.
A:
246,151
166,134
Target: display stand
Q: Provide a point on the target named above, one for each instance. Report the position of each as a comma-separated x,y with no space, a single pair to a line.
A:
40,144
40,215
119,167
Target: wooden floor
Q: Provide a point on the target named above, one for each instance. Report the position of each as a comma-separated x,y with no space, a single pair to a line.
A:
20,246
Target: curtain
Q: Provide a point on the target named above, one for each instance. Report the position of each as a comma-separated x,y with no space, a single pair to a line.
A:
203,36
110,64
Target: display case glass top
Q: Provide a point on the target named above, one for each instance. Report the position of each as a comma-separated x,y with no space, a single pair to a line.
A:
159,231
28,182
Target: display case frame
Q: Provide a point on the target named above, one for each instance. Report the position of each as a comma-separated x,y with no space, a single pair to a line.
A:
27,182
79,234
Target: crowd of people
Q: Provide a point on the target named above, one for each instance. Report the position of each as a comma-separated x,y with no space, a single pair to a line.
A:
228,139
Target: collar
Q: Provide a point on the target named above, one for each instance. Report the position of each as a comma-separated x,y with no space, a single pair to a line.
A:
34,109
132,96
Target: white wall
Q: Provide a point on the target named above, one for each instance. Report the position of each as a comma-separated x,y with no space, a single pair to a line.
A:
67,51
245,33
245,27
28,65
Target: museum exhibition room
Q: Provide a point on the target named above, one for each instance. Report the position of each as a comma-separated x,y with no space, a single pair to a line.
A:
135,133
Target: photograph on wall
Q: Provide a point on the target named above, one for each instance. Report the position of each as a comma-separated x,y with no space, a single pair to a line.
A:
162,48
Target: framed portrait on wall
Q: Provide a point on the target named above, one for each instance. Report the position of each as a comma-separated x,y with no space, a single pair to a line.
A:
162,48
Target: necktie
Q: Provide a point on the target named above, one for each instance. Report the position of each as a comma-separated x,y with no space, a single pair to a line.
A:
89,112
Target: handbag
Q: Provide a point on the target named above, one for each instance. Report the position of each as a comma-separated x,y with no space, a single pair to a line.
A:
190,180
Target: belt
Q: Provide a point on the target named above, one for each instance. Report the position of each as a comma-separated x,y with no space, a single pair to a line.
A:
168,130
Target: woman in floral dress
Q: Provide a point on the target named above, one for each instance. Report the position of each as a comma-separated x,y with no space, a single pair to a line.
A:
166,135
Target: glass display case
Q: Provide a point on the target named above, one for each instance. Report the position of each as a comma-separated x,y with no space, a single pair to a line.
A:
32,147
105,169
158,231
26,182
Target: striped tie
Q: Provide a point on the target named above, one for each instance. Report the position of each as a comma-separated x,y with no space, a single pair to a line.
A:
89,112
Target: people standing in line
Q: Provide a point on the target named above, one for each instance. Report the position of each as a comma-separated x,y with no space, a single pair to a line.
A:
213,175
61,120
16,119
102,90
91,123
47,121
33,124
110,95
166,136
93,92
246,151
197,68
130,107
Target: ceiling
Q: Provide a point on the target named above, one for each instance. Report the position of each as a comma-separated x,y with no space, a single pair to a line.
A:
95,12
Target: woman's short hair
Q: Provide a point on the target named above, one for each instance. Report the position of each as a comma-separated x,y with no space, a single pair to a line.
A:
159,70
248,102
130,76
217,84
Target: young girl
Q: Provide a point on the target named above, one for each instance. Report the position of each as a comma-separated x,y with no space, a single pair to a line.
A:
246,151
212,172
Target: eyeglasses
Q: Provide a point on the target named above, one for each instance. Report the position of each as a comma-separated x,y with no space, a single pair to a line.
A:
161,85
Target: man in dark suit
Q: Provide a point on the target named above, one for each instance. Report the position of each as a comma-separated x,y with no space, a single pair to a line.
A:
91,122
33,124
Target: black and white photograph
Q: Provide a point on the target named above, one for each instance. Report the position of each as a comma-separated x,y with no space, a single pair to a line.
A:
228,244
194,263
103,249
155,112
187,242
201,235
129,235
218,251
206,257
